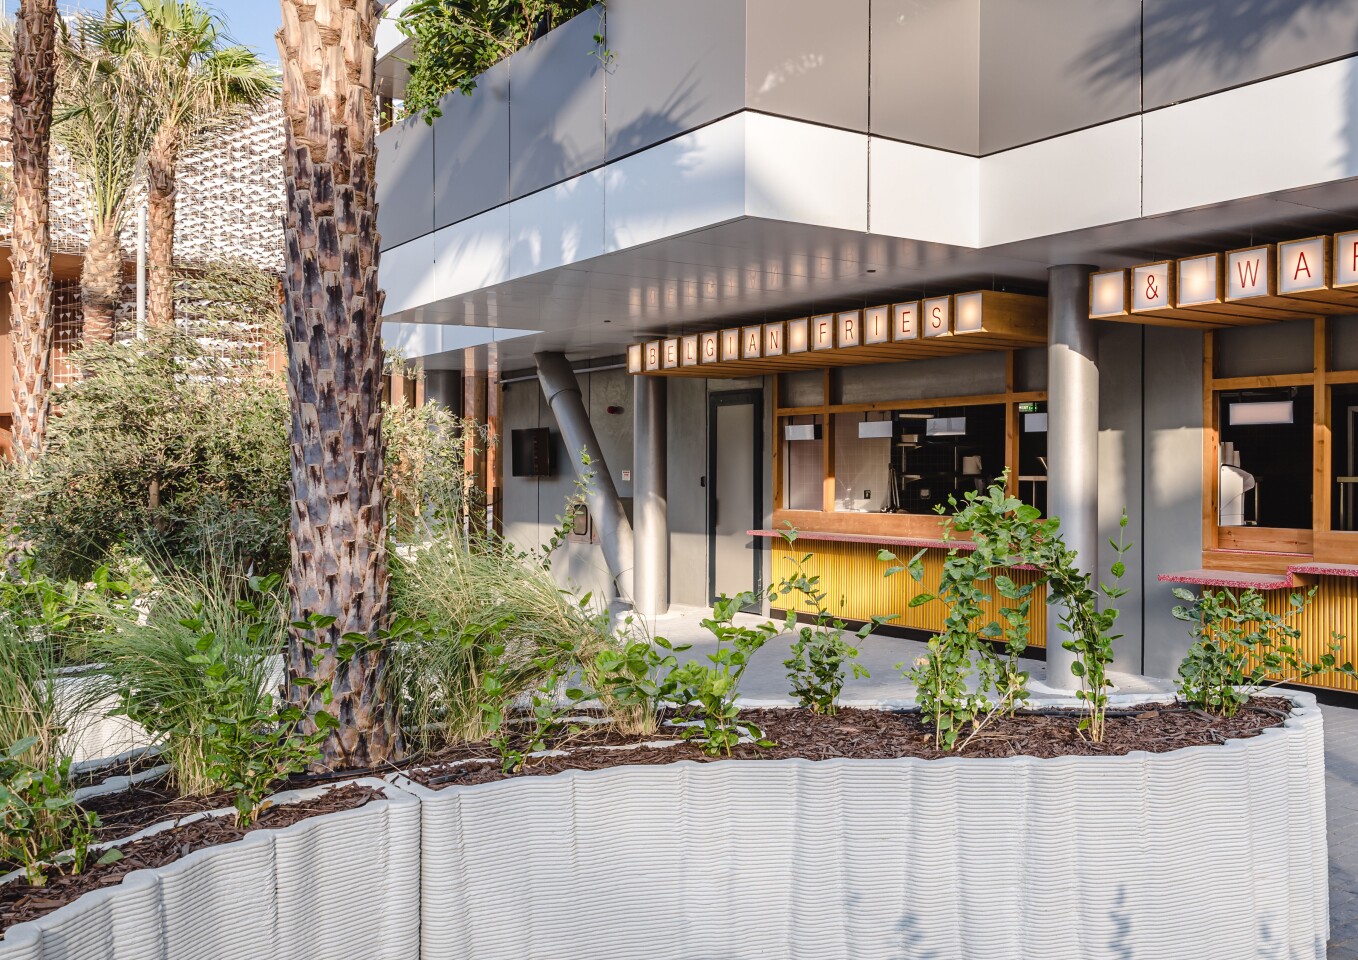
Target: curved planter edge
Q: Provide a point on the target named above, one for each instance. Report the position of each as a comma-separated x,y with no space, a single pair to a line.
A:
1210,852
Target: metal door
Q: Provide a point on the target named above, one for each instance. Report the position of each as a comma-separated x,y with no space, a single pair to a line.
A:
735,491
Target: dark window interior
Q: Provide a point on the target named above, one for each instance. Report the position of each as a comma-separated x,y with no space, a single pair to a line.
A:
966,454
1276,457
1344,462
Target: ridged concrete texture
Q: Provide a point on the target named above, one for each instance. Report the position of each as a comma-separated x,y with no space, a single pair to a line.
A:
336,886
1213,853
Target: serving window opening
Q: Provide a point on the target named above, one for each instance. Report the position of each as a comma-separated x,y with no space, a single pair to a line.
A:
1265,458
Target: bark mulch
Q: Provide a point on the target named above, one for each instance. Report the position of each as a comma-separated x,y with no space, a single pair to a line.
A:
20,902
875,734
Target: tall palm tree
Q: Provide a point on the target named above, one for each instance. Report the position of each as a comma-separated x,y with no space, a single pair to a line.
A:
106,117
332,321
31,93
203,84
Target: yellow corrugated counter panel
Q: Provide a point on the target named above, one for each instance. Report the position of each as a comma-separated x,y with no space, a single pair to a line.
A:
1334,609
857,587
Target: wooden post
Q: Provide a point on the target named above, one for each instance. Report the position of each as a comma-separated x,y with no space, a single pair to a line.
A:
1320,405
474,450
1011,428
828,439
494,456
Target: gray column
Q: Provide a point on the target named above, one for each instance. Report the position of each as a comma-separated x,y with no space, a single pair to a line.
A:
445,387
562,391
651,579
1072,438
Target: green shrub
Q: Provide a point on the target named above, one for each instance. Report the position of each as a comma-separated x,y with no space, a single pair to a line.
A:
816,669
206,653
1004,531
175,454
1240,646
629,676
484,610
426,479
706,694
41,826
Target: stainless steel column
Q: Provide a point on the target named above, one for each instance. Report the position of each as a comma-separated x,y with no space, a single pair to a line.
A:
562,391
445,388
1072,438
651,578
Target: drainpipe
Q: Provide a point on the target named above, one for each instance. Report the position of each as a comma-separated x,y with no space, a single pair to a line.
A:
650,496
562,391
1072,438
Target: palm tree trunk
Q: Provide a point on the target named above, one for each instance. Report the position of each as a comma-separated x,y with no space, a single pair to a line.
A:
34,83
101,283
162,192
332,320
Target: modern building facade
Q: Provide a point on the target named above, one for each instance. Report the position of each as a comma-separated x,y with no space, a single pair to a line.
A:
779,262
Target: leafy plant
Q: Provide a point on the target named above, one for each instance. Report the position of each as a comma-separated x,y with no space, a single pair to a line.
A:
1240,646
1004,532
41,825
1089,628
630,679
706,694
204,656
816,668
522,733
457,40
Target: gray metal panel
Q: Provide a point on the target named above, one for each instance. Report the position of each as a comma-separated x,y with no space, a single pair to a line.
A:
613,388
1271,348
1343,342
1172,494
556,113
520,410
675,66
1121,449
809,62
926,72
1048,67
471,149
982,373
687,436
405,177
1193,47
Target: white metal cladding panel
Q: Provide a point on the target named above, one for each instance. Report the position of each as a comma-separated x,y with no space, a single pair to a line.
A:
1144,856
1080,180
922,193
1291,131
472,254
683,184
388,36
557,226
805,173
406,273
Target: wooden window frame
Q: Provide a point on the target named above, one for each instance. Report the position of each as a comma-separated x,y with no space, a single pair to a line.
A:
1265,549
924,526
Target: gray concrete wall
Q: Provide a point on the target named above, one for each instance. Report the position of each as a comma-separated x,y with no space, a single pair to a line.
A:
964,374
1172,494
1270,348
1121,423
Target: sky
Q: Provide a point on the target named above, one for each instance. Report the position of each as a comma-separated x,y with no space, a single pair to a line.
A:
251,22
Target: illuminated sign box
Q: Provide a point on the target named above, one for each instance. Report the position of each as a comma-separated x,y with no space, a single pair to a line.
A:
1250,273
774,339
905,322
876,325
635,358
730,344
938,317
798,340
1108,294
751,342
823,332
848,328
689,351
969,313
653,355
1199,281
671,349
1152,286
1303,265
709,347
1346,259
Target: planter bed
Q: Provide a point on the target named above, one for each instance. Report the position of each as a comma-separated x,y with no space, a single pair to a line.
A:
1181,836
299,883
1209,851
